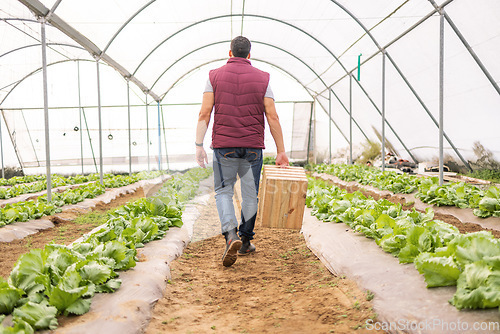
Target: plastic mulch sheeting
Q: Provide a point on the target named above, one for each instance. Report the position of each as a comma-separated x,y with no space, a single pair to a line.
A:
402,300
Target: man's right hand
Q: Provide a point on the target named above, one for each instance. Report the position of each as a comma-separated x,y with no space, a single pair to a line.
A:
282,160
201,156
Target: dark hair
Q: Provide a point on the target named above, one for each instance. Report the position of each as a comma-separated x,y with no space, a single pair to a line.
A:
240,46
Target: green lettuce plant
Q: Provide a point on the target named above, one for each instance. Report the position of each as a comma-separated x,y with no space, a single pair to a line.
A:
61,279
439,252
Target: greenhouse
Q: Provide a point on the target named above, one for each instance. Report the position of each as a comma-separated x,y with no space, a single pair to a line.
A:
389,113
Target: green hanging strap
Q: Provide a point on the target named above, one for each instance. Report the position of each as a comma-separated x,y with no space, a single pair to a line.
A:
359,66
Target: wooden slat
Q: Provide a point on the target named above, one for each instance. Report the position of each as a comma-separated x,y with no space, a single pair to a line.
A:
282,194
283,204
286,177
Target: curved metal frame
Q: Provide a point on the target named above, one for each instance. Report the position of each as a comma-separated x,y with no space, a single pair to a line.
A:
31,5
380,49
237,15
290,25
18,19
38,70
125,24
32,45
272,46
259,60
367,32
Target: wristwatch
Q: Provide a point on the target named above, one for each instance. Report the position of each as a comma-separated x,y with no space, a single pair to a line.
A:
198,144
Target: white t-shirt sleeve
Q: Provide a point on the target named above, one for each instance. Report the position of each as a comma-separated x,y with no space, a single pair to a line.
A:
210,89
269,92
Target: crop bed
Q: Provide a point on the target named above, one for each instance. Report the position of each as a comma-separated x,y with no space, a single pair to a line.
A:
443,254
37,206
485,203
62,279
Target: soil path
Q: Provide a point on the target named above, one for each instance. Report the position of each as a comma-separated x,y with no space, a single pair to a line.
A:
281,288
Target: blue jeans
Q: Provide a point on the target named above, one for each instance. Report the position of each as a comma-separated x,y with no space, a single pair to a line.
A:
247,164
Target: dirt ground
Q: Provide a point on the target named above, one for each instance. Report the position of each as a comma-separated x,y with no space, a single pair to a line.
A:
281,288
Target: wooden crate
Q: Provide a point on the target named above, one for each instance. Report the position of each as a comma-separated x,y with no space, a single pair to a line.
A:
282,197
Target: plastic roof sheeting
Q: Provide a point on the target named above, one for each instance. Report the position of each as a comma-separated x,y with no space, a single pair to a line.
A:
166,49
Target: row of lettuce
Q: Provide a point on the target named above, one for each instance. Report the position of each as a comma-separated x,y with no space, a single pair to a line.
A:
34,209
27,184
40,182
438,250
486,203
62,279
21,179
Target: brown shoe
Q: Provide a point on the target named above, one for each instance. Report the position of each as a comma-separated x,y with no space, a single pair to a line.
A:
229,257
246,246
233,244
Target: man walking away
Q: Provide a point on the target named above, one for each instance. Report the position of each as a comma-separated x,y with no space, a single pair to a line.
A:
240,96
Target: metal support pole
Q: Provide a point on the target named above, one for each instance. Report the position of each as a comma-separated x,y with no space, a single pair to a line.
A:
100,122
129,132
293,127
80,114
90,139
147,130
457,152
1,150
159,137
12,136
441,92
383,110
330,126
350,119
46,111
467,46
331,119
347,111
165,139
314,133
310,132
387,122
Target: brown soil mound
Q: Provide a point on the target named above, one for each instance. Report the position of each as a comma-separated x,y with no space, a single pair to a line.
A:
281,288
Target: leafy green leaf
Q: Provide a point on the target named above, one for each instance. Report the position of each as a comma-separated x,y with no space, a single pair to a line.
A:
9,296
27,269
39,316
79,307
68,292
392,243
95,272
20,327
438,271
115,250
11,215
489,204
408,253
109,286
478,287
474,247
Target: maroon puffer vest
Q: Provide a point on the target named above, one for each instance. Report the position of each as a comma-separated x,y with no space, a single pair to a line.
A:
239,90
